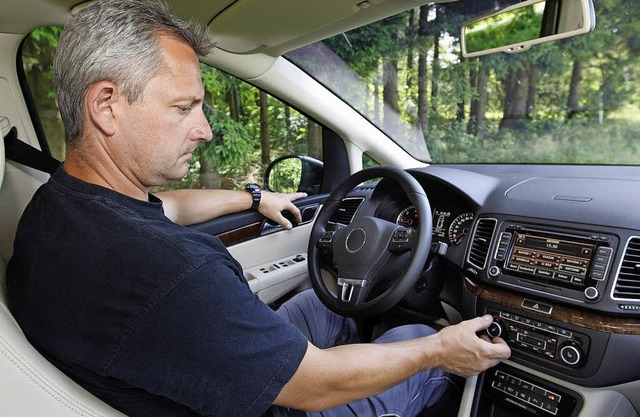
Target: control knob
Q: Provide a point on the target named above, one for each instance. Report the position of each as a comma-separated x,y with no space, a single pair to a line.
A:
591,293
495,329
494,272
571,354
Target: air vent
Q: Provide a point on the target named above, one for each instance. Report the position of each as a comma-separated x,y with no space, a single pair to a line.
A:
345,212
628,280
481,242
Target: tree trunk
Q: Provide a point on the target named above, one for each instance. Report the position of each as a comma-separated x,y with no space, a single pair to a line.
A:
410,63
234,102
314,140
479,105
515,106
265,143
391,97
435,77
209,176
423,103
461,102
573,101
287,122
534,74
376,99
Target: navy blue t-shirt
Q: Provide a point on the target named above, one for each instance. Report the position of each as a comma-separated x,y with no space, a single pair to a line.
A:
154,318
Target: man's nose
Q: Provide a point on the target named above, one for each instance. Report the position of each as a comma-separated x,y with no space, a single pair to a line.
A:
203,130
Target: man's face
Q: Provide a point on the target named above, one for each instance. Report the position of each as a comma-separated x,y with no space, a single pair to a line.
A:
160,131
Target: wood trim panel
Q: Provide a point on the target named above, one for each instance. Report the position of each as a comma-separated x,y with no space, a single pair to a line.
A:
242,234
565,314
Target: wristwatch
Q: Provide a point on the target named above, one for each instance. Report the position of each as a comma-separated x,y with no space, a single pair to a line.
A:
256,194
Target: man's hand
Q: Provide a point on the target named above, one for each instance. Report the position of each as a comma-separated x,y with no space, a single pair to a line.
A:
464,353
273,204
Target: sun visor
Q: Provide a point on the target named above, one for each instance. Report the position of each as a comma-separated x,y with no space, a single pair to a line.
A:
248,25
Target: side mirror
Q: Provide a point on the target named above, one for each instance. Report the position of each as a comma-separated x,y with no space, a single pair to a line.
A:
519,27
291,173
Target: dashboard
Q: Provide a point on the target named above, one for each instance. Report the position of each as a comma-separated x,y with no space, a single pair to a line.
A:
553,253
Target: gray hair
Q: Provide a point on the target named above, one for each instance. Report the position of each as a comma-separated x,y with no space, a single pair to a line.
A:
117,41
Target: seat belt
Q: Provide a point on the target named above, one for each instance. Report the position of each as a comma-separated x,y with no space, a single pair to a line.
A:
18,151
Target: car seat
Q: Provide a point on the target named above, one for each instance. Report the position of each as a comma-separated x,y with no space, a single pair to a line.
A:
30,386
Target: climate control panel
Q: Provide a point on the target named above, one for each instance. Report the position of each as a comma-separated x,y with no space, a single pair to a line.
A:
534,336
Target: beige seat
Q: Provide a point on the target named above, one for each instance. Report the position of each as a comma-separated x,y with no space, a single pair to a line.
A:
29,385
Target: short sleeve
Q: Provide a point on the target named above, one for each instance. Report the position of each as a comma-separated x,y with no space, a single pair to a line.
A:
213,346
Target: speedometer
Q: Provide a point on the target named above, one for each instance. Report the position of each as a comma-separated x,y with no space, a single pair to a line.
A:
409,218
460,226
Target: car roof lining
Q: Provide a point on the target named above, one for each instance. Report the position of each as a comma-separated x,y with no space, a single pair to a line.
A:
246,26
239,26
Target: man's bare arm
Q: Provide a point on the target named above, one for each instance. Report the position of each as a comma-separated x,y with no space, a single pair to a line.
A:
331,377
195,206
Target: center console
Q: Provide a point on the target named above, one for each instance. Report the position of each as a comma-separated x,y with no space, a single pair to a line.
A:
559,299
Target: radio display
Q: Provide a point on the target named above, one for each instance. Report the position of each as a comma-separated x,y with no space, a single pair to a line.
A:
558,259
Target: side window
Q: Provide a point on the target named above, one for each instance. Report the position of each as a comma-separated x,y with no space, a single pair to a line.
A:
250,128
37,58
368,161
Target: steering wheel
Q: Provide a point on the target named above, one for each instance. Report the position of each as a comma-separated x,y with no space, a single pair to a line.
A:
370,250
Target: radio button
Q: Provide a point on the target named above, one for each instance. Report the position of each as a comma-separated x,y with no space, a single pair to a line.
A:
577,280
604,251
601,258
565,333
544,273
534,305
527,269
551,408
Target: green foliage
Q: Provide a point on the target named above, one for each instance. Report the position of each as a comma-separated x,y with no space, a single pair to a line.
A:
602,129
505,29
286,175
546,141
231,146
384,38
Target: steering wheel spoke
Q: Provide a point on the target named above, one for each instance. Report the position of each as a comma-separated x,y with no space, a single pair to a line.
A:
403,240
353,291
325,242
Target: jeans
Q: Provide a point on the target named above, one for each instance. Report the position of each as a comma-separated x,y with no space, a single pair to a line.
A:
326,329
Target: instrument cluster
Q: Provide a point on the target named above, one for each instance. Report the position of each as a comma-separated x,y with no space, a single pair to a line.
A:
448,226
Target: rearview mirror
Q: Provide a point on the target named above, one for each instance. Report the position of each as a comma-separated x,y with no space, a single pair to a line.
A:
519,27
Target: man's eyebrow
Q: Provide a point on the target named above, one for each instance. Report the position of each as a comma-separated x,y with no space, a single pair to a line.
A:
191,100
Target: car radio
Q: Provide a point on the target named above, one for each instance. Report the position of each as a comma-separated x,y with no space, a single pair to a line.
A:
575,265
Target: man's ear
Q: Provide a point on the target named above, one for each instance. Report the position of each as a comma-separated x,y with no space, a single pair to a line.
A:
100,100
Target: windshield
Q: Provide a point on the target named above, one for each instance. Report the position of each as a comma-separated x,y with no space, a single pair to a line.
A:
574,101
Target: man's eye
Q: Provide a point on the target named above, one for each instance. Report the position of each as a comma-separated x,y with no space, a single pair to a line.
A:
184,110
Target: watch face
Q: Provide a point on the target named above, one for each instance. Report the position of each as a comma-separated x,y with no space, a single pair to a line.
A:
252,187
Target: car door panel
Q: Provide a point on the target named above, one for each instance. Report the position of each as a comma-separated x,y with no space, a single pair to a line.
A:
274,260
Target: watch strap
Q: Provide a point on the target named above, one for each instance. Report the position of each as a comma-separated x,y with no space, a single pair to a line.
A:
256,195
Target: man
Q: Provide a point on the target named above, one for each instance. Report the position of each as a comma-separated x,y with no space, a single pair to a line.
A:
154,318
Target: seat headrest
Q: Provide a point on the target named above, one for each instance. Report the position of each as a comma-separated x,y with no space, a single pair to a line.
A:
5,127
